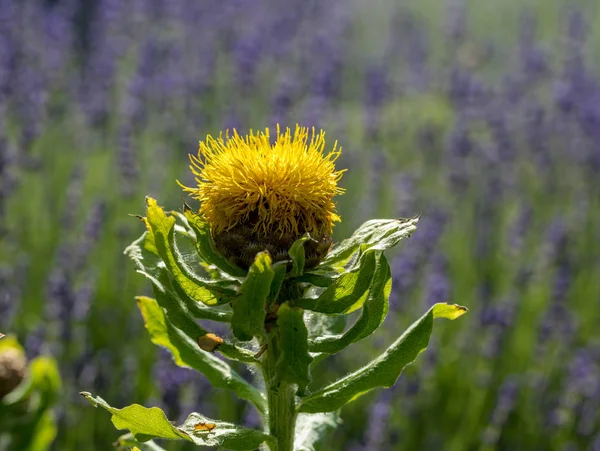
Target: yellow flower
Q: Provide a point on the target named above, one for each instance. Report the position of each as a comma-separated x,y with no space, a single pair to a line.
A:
271,191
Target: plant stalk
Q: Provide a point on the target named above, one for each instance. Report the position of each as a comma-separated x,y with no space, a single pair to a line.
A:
281,401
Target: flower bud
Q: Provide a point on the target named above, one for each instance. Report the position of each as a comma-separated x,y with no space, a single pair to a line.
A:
13,367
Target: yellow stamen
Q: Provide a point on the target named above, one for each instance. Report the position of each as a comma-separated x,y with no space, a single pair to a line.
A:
286,187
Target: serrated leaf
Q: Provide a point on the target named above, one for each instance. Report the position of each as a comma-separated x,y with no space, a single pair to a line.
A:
224,435
382,371
187,353
348,292
313,427
293,363
148,423
208,291
198,309
151,266
178,314
180,308
143,422
249,305
205,248
298,256
279,271
377,234
375,309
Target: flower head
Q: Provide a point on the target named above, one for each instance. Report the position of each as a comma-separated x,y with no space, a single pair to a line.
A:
269,193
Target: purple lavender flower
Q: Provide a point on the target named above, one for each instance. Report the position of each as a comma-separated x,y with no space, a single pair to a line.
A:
507,397
379,414
377,90
502,136
171,380
580,384
58,33
248,53
106,45
437,281
284,98
455,20
532,58
417,57
127,161
405,266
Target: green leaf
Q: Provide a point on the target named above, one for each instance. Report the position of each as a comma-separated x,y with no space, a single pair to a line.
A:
373,314
128,441
208,291
186,353
224,435
249,305
377,234
279,271
46,380
177,313
205,248
311,428
148,423
143,422
180,308
298,256
448,311
293,363
348,292
198,309
384,370
152,267
42,432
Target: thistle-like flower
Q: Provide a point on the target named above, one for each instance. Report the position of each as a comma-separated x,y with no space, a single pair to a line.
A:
260,196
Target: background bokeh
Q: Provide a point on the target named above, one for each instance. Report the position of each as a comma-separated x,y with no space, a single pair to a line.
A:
482,116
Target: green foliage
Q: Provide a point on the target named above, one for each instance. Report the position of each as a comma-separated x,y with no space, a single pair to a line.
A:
268,304
129,442
249,305
187,353
310,428
149,264
347,292
374,311
279,273
208,291
293,362
26,420
150,423
385,369
347,256
205,247
297,254
374,235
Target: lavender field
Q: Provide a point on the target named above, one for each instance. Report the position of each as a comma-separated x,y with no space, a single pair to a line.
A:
482,117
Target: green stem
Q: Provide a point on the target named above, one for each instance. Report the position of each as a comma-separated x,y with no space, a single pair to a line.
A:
281,401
